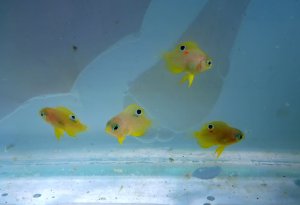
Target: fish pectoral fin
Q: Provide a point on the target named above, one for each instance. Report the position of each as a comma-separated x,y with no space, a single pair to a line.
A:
190,77
219,150
121,139
58,133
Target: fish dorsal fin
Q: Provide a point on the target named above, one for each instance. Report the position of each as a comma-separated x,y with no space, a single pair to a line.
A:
65,110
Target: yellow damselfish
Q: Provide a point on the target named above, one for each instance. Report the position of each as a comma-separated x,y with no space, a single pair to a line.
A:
132,121
218,133
187,57
63,120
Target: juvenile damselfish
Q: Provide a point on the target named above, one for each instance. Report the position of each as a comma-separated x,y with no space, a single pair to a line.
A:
132,121
187,58
218,133
63,120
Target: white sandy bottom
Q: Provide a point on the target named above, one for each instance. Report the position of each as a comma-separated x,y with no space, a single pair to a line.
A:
149,190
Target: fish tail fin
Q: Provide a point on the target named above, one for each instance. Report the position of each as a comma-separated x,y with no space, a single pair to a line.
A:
196,134
172,67
203,142
188,77
219,150
121,139
58,133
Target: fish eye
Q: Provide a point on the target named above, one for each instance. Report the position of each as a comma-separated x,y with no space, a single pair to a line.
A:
42,114
115,127
182,48
72,117
239,136
210,127
209,62
138,112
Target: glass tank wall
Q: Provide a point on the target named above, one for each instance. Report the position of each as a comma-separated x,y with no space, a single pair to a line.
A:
87,61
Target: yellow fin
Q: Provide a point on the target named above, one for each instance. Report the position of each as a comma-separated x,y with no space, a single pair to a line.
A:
219,150
197,134
202,141
138,133
190,77
71,132
58,133
172,67
121,139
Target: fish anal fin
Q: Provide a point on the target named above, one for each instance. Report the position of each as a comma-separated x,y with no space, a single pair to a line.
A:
121,139
58,133
71,132
219,150
188,77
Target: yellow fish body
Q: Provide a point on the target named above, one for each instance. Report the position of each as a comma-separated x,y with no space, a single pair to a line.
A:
187,57
132,121
218,133
63,120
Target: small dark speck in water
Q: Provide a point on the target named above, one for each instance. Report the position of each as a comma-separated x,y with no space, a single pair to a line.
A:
207,172
4,194
37,195
264,184
206,204
10,146
210,198
171,159
297,182
257,198
75,48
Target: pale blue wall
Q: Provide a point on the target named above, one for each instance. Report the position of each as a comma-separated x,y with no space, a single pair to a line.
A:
254,83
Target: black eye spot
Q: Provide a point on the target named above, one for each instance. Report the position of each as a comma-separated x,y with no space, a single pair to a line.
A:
210,126
182,48
42,114
239,136
72,117
138,112
208,62
115,127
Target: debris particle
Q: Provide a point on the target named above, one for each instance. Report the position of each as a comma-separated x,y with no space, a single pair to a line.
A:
37,195
210,198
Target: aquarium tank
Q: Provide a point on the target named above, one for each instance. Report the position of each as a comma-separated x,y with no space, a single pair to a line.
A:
174,102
